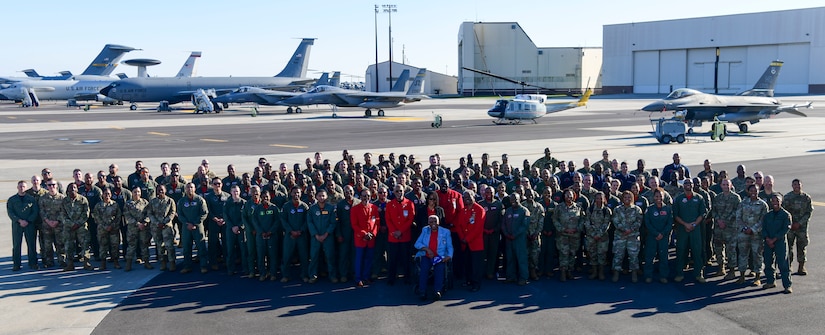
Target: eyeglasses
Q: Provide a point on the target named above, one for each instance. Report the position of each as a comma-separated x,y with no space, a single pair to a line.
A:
50,185
216,183
47,172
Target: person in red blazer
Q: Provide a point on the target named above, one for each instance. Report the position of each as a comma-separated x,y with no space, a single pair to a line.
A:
399,215
364,220
470,227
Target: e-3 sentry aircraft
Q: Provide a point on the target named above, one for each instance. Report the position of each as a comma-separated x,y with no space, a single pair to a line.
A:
747,107
180,89
340,97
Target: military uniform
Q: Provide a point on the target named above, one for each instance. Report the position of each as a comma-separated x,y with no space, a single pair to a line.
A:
193,210
75,231
799,206
161,214
514,227
689,210
322,221
627,221
344,236
568,217
597,236
215,233
138,231
94,195
108,218
547,253
724,239
147,188
776,224
51,209
657,221
294,221
266,222
749,216
23,208
38,221
233,214
537,213
493,218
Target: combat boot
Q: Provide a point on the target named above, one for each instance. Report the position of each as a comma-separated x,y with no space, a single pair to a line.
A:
533,275
601,272
128,265
103,265
757,281
730,275
615,276
172,266
69,265
87,265
722,271
802,271
634,276
592,272
117,263
741,279
162,265
147,265
563,275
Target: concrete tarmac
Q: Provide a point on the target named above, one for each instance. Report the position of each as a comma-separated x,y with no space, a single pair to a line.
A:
142,301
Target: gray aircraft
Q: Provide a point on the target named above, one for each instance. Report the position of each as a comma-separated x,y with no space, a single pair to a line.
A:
180,89
750,106
262,96
101,66
339,97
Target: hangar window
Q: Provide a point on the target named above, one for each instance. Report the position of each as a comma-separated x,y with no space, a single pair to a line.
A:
541,52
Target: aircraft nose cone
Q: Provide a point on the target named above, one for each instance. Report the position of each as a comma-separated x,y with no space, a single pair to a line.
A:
106,90
3,97
657,106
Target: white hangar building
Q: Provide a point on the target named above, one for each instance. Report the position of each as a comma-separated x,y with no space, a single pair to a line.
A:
504,49
652,57
434,83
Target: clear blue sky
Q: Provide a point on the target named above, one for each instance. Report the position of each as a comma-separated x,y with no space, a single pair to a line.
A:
255,38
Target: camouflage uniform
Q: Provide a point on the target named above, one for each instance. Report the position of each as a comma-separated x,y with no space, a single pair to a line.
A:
597,225
799,205
626,218
51,209
38,221
161,213
107,215
568,217
135,214
536,211
724,240
749,215
75,231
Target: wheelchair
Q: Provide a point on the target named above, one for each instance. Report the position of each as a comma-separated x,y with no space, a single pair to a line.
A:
416,273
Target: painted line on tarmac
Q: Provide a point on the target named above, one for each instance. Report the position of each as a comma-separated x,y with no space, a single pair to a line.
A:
817,203
213,140
12,117
289,146
157,133
117,127
399,119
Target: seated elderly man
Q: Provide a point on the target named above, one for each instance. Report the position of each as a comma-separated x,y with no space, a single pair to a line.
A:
435,248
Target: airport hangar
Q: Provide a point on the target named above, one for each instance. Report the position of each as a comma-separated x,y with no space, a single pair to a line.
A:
435,83
652,57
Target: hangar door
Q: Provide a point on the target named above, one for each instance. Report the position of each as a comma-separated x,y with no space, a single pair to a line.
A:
646,72
672,72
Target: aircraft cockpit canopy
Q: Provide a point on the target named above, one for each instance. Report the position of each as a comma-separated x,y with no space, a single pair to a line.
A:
681,93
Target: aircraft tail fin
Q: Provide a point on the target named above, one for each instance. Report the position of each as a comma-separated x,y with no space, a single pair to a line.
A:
417,87
31,73
66,74
336,79
297,65
189,68
401,82
323,80
585,97
107,60
765,85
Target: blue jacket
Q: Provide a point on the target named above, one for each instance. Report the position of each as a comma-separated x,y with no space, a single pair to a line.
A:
445,243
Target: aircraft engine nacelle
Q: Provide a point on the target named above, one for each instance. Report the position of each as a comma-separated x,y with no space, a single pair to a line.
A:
106,100
380,104
202,102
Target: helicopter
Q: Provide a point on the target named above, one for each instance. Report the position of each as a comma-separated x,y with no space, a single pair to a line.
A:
527,106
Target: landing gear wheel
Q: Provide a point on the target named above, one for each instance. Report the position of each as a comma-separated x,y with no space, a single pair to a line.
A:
368,113
666,139
743,128
680,139
298,110
690,131
380,112
289,110
133,107
334,115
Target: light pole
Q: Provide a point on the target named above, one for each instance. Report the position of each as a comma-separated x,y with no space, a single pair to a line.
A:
389,9
376,48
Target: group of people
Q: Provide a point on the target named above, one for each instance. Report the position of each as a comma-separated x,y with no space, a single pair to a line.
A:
363,219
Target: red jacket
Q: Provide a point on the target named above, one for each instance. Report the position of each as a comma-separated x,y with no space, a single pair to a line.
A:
470,226
364,219
399,217
452,203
